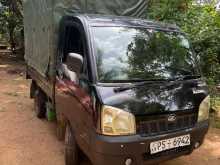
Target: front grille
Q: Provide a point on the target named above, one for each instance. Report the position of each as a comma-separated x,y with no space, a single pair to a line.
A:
161,125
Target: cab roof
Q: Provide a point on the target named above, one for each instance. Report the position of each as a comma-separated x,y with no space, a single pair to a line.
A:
104,20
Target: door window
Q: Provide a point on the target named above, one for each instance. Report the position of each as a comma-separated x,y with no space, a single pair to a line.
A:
74,42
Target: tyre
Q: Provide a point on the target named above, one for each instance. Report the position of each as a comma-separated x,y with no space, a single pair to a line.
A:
71,148
40,104
33,89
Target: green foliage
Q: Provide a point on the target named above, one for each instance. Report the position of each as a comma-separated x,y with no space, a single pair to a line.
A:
201,23
167,10
11,21
159,56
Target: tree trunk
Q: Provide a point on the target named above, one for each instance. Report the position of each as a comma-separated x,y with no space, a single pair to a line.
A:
12,39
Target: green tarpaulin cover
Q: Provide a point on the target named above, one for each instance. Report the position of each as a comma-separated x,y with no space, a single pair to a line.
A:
41,20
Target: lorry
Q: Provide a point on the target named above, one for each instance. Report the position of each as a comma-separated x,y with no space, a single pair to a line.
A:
124,90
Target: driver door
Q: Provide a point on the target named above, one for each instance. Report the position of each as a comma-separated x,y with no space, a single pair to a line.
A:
73,100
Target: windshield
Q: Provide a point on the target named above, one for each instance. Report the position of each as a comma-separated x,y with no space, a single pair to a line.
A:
124,53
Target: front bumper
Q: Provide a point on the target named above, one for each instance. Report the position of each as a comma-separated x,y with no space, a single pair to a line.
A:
107,150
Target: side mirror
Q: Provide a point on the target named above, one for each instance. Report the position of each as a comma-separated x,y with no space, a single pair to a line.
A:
74,62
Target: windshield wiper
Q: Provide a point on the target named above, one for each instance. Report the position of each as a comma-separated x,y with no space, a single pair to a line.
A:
159,81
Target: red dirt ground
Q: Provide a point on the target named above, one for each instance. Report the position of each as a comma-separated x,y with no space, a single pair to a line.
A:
26,140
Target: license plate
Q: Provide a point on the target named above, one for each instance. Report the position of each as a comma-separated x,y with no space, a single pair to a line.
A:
167,144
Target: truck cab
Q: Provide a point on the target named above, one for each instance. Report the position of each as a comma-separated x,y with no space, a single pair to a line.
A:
128,91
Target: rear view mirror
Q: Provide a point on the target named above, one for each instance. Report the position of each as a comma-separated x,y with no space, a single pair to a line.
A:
74,62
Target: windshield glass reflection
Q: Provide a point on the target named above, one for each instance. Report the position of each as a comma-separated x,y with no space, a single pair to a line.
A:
124,53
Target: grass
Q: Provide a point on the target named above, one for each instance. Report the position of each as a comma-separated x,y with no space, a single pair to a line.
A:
216,103
215,117
215,122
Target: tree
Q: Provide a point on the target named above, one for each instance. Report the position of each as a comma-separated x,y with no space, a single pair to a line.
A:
160,55
11,20
201,23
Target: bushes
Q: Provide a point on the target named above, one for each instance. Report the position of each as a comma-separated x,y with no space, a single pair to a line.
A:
201,23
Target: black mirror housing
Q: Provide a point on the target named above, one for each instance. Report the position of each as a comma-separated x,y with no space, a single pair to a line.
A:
75,62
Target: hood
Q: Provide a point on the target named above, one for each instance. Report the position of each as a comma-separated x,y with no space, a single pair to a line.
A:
156,98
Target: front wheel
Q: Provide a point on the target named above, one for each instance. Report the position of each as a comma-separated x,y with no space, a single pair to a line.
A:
71,147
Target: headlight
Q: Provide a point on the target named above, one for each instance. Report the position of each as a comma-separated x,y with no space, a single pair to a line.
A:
116,122
204,109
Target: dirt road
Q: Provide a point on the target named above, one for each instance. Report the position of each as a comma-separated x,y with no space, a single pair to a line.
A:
26,140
